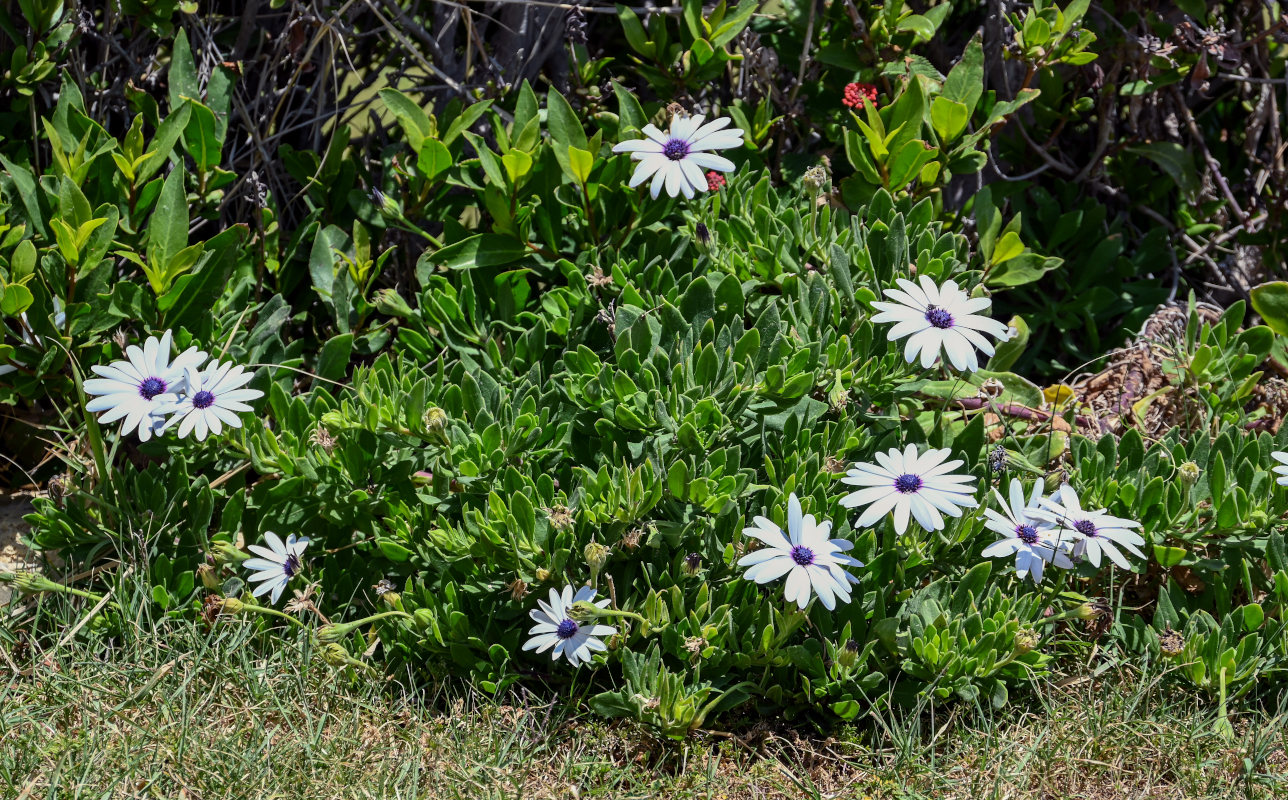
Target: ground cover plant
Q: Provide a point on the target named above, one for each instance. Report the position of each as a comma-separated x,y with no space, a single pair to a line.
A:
703,365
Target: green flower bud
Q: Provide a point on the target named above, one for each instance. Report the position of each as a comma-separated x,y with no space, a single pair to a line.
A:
390,303
1026,640
436,422
815,179
226,553
848,654
209,576
33,583
1188,474
231,605
422,478
331,632
542,575
387,205
596,557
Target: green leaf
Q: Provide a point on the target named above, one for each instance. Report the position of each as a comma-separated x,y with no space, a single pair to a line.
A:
1174,159
480,250
949,118
200,137
464,120
168,226
965,81
162,145
1168,557
734,23
517,165
1008,352
183,72
1008,247
580,162
416,124
1270,301
923,28
433,159
322,258
333,361
564,126
15,299
634,31
1020,270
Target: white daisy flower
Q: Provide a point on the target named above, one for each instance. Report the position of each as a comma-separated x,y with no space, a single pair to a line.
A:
677,159
213,398
60,319
138,388
910,484
1095,533
1035,542
805,554
939,317
1282,469
556,628
277,565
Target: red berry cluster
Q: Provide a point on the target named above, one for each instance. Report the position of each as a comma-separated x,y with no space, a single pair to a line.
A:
856,94
715,181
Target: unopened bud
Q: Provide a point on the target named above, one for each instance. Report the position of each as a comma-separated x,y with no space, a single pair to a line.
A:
1188,474
435,419
231,605
226,553
1026,640
385,204
209,576
815,179
542,575
692,563
561,518
848,654
389,302
422,478
32,583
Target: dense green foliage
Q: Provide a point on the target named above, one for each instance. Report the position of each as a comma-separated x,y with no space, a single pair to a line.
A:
485,358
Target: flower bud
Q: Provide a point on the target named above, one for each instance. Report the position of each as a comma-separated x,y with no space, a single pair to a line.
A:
596,556
435,419
1026,640
692,563
332,632
385,204
231,605
390,303
209,576
815,179
31,582
335,654
848,654
226,553
561,518
542,575
387,593
422,477
583,610
1188,474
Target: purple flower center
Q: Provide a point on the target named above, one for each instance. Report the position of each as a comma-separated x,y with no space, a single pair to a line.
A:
151,387
938,317
907,484
203,399
1027,533
292,565
802,555
566,630
1086,527
675,149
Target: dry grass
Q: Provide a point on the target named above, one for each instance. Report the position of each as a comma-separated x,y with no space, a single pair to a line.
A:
212,715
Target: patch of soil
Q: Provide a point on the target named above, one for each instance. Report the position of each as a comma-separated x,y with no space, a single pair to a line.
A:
13,555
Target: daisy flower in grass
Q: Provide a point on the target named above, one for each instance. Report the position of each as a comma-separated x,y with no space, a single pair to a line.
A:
677,159
139,387
1035,542
1094,533
920,485
1282,469
810,560
555,628
213,398
276,565
938,318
